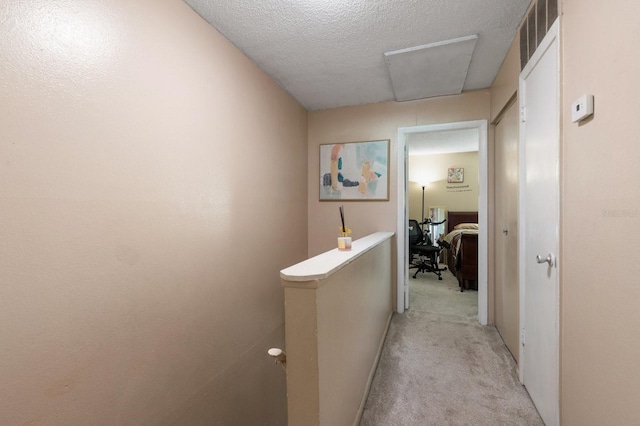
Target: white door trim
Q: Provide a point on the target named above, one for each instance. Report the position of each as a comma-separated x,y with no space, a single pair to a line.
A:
553,35
483,218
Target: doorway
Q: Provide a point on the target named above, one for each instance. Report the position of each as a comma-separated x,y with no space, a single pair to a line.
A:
403,217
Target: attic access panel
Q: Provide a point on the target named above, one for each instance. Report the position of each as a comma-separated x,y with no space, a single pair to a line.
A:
435,69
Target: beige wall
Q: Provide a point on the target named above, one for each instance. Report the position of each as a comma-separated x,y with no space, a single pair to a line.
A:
374,122
505,84
149,173
439,193
600,343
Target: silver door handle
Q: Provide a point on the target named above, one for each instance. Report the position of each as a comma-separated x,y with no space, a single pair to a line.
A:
548,259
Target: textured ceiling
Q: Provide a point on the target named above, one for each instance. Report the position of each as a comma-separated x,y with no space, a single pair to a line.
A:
330,53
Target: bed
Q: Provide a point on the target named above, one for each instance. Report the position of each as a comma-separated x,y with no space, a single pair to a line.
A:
462,248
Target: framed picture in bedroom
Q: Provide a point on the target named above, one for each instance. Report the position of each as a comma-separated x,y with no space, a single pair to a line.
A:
354,171
455,175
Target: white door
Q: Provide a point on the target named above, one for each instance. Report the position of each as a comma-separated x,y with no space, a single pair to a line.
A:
539,222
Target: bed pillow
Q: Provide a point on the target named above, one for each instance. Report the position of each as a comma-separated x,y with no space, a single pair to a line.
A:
466,226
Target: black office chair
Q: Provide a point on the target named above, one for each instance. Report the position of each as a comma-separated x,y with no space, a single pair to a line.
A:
423,255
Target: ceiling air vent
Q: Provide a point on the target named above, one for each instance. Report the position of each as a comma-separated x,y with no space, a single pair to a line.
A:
435,69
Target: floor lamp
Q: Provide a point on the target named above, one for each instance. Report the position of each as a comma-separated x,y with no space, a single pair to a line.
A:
423,203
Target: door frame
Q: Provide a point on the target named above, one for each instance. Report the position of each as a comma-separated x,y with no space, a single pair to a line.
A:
553,34
483,215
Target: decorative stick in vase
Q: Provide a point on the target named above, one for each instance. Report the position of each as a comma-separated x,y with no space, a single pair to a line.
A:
344,240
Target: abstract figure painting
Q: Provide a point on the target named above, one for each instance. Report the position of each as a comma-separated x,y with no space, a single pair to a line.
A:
355,171
455,175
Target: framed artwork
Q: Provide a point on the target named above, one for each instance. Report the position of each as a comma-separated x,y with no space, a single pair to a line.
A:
355,171
455,175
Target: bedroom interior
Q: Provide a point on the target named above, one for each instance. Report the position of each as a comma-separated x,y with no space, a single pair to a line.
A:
432,190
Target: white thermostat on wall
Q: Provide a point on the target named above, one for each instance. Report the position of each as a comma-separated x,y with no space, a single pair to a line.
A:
582,108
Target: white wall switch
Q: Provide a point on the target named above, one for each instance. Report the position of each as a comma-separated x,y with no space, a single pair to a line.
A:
582,108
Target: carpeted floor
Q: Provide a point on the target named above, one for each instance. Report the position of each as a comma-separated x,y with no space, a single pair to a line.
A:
439,366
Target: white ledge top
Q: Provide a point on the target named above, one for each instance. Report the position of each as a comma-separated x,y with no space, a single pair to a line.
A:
326,264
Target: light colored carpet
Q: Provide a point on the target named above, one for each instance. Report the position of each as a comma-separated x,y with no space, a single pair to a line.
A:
439,366
428,294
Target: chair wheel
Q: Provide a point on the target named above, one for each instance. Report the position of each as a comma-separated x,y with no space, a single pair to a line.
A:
440,278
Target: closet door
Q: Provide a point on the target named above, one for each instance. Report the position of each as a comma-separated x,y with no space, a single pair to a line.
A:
507,315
